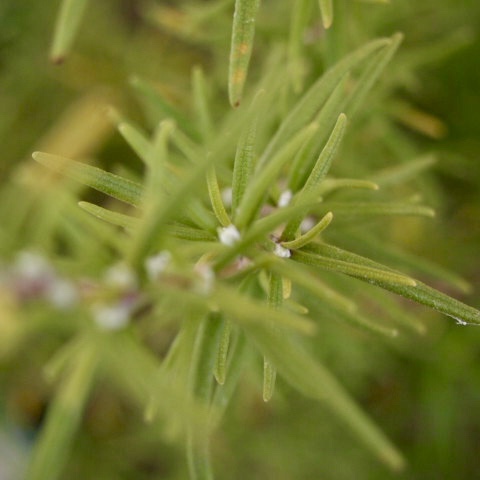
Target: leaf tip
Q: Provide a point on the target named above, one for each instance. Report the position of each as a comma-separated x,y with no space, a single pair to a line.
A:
219,377
327,21
57,59
397,37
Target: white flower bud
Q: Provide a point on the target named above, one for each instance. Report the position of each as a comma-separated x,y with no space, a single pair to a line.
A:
156,264
281,252
228,235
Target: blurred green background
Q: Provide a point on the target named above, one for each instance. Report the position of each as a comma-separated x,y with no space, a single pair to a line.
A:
426,394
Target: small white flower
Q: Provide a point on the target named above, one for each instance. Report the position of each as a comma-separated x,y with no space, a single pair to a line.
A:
111,317
228,235
285,198
307,224
207,278
227,196
121,276
62,294
281,252
157,264
32,266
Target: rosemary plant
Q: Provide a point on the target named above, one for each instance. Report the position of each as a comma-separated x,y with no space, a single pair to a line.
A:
224,243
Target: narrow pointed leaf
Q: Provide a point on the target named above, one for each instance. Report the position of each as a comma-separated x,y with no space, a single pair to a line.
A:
204,357
243,164
298,26
308,192
403,172
353,269
108,183
243,33
236,360
188,233
200,102
360,210
201,380
186,145
216,198
326,9
158,179
275,301
66,27
220,370
326,119
332,184
324,161
269,378
403,259
309,236
420,293
374,69
139,143
115,218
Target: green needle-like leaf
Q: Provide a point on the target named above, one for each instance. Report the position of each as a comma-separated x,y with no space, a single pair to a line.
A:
326,9
332,184
201,380
223,394
308,192
309,236
406,260
275,301
353,269
115,218
243,33
243,164
108,183
360,210
324,161
298,25
216,198
326,119
68,21
403,172
200,102
131,223
371,74
220,370
139,143
420,293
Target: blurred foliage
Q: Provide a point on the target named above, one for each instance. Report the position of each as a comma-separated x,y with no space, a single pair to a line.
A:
423,391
